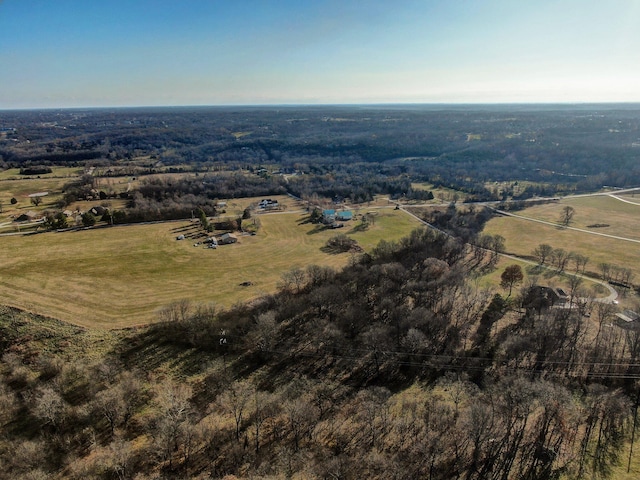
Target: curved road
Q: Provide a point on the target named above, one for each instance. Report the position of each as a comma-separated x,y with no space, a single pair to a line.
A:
508,214
613,294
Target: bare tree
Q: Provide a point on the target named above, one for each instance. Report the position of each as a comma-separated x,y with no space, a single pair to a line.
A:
605,271
174,409
542,252
561,257
111,405
264,407
293,280
567,214
235,399
300,418
50,407
266,329
580,262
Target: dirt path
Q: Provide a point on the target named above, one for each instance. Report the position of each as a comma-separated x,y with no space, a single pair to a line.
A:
623,200
544,222
613,294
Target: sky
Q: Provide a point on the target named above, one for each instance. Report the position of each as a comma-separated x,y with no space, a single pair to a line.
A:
80,53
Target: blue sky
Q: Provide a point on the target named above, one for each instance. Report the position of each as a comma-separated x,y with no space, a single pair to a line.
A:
80,53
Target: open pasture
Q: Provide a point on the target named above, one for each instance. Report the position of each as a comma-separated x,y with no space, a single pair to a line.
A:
14,185
440,194
596,213
523,236
120,276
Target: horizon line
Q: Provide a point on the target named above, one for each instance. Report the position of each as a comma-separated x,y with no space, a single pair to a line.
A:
289,105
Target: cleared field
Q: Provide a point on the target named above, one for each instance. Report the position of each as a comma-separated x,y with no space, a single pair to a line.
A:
613,217
440,194
120,276
522,236
14,185
14,173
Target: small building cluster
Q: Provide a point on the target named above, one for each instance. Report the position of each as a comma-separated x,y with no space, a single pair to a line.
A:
332,217
268,204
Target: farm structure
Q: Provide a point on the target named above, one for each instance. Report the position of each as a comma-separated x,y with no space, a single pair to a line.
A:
344,216
268,204
227,239
541,297
330,217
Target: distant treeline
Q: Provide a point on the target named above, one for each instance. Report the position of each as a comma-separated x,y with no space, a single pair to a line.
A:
561,149
35,170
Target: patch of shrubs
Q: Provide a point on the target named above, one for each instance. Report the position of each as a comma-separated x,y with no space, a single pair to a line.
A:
343,243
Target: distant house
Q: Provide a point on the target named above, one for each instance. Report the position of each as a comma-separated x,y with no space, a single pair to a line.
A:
344,216
268,204
328,216
226,239
221,205
541,298
27,217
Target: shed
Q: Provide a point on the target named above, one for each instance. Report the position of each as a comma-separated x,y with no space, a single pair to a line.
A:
226,239
344,215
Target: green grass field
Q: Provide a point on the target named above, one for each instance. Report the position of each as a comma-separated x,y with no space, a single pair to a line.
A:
120,276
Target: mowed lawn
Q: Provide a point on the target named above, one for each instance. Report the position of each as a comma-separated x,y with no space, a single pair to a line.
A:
522,236
120,276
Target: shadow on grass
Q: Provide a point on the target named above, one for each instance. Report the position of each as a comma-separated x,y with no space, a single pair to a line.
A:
149,350
317,229
535,269
305,220
332,250
541,270
361,227
185,228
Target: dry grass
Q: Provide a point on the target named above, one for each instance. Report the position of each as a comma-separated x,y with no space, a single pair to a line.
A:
120,276
440,194
14,185
621,217
523,236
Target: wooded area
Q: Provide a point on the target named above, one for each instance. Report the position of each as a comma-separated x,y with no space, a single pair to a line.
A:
398,366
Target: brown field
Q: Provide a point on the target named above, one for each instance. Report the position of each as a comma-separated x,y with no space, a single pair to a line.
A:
522,236
120,276
623,219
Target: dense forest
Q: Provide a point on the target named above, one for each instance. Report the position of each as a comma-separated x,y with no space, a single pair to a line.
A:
399,366
346,151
